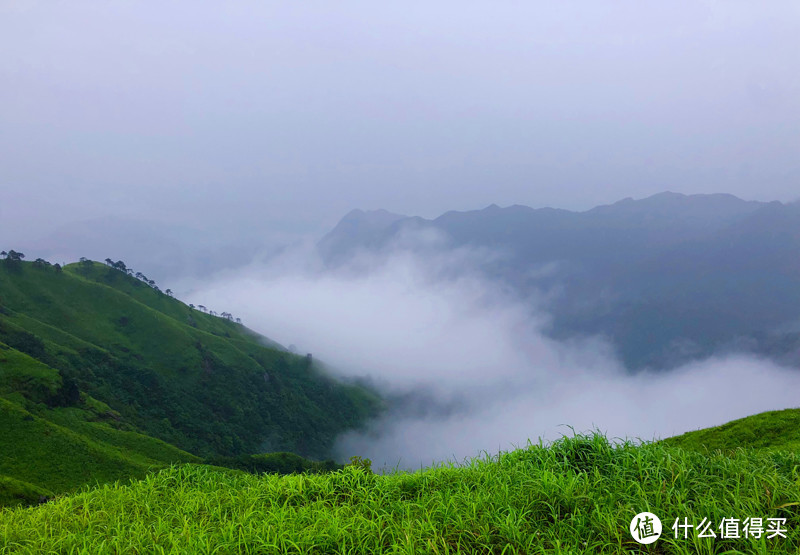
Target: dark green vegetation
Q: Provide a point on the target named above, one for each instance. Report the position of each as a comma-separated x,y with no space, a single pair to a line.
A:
577,495
275,463
103,377
774,431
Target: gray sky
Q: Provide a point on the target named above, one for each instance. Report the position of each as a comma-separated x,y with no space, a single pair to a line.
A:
259,116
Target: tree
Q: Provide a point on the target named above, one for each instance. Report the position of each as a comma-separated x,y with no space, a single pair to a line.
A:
14,260
238,320
168,292
57,267
201,307
191,306
109,262
364,464
3,254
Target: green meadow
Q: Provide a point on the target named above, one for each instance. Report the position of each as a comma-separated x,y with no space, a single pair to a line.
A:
577,495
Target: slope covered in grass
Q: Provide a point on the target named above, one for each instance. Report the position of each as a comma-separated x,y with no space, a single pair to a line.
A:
104,378
578,495
773,430
59,458
15,492
46,448
202,383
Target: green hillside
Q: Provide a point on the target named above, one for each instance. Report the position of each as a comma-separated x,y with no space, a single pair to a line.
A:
578,495
774,430
103,377
57,458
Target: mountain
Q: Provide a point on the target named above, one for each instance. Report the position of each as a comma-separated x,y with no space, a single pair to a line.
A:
357,230
103,376
666,279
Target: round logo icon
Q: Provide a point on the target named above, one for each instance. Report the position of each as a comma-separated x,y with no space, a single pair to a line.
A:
645,528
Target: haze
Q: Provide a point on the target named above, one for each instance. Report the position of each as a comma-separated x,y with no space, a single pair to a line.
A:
264,118
212,143
468,368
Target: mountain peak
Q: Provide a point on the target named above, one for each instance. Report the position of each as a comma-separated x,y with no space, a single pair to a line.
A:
371,217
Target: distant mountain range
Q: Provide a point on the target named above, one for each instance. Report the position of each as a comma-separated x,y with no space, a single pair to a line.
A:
666,279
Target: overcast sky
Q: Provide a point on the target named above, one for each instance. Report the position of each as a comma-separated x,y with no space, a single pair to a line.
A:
260,116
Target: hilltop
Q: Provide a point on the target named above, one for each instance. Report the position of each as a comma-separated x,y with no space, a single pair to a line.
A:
773,431
103,376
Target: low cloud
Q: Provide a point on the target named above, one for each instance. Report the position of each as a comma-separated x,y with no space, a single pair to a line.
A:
644,406
465,363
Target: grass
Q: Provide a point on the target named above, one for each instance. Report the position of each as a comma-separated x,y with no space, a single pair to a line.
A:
773,430
46,450
40,452
202,383
577,495
103,378
25,375
15,493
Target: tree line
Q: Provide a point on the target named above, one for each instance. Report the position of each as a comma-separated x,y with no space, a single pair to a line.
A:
122,267
13,259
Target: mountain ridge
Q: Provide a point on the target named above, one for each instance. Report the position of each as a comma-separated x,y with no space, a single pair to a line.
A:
642,254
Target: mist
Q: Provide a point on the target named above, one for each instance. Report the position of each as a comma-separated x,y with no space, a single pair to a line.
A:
279,117
465,364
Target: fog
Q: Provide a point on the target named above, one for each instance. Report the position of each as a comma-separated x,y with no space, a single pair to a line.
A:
466,363
280,117
184,137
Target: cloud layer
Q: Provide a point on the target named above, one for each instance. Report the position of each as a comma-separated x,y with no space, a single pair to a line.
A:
467,366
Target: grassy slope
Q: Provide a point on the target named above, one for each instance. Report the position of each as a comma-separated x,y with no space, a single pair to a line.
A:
575,496
58,449
26,376
774,430
93,365
200,382
15,492
54,457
